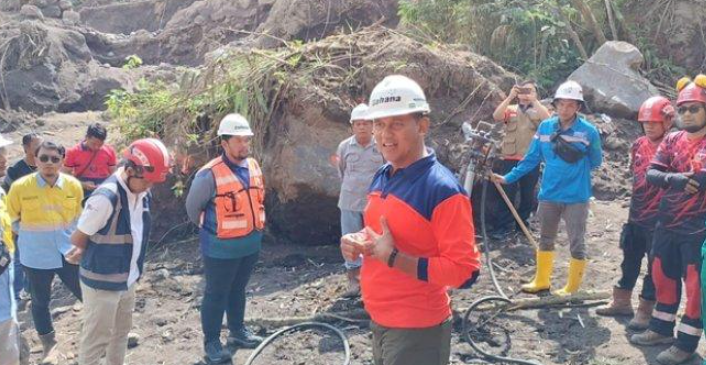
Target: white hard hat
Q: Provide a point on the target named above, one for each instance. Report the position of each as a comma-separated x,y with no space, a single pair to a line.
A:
569,90
397,95
4,142
234,125
360,112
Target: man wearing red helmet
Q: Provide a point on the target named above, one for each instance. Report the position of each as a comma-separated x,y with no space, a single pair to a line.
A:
110,243
656,115
679,167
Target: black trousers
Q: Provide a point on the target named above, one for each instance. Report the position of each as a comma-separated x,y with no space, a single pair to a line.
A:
499,217
226,280
636,243
40,289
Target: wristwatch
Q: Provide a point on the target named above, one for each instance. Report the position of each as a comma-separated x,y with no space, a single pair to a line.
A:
392,257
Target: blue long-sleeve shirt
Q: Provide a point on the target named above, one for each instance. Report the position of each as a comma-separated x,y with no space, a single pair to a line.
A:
562,182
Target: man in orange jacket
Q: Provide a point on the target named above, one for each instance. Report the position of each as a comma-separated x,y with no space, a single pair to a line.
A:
418,239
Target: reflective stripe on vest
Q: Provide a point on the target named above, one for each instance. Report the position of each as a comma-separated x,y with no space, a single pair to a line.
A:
239,211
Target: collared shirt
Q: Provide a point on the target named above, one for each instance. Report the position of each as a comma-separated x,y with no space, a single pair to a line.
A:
81,160
562,182
429,216
44,217
357,166
200,200
7,294
99,209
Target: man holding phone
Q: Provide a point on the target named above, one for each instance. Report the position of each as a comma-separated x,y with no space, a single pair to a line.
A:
521,122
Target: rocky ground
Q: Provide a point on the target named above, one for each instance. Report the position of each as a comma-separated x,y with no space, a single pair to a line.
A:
59,60
295,281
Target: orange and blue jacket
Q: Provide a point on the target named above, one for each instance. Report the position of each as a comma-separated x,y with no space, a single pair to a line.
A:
429,216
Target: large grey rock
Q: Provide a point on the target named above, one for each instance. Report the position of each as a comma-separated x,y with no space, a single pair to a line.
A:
52,11
31,12
611,81
71,17
65,5
39,3
10,5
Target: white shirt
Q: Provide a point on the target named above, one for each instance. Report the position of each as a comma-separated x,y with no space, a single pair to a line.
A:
97,211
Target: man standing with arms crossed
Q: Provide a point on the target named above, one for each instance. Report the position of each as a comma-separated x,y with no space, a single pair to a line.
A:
110,243
656,115
227,201
570,148
418,239
679,167
46,205
357,159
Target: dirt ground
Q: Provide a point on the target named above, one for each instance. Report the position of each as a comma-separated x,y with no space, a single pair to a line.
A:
299,281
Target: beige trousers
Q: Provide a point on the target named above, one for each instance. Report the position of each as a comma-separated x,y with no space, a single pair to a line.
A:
107,320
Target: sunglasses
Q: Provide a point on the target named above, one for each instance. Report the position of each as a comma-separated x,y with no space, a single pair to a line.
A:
46,158
691,109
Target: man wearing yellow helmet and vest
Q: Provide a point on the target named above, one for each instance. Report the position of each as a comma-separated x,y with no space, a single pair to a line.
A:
570,148
418,239
227,201
679,167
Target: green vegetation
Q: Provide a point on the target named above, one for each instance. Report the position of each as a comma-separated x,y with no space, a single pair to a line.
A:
541,39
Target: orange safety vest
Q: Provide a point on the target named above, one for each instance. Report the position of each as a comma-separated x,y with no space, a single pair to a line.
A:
239,211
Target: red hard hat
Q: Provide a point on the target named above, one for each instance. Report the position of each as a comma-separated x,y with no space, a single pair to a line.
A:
657,109
152,156
694,91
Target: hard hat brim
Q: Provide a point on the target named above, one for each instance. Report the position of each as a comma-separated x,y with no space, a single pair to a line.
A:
396,113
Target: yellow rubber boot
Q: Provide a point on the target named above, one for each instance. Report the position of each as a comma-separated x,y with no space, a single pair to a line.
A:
576,270
542,277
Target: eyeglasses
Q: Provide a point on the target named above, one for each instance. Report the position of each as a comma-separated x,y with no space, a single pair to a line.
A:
46,158
691,109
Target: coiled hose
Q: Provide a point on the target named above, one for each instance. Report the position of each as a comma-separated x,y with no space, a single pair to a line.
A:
301,327
501,298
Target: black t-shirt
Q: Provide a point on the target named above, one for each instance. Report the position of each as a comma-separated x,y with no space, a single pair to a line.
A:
17,171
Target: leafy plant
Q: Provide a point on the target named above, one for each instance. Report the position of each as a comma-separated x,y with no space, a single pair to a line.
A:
132,62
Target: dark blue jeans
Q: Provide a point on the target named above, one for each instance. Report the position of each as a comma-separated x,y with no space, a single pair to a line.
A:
40,288
226,280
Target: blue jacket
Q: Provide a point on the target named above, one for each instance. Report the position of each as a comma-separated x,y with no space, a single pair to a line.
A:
562,182
105,264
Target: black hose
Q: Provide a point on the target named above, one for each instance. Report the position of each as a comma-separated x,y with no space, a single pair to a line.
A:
486,241
479,349
299,327
496,284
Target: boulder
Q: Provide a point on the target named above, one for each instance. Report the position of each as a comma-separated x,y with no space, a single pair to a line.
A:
10,5
31,12
39,3
66,5
71,17
52,11
294,144
611,81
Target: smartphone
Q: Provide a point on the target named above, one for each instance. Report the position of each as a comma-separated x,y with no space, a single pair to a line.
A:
524,90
